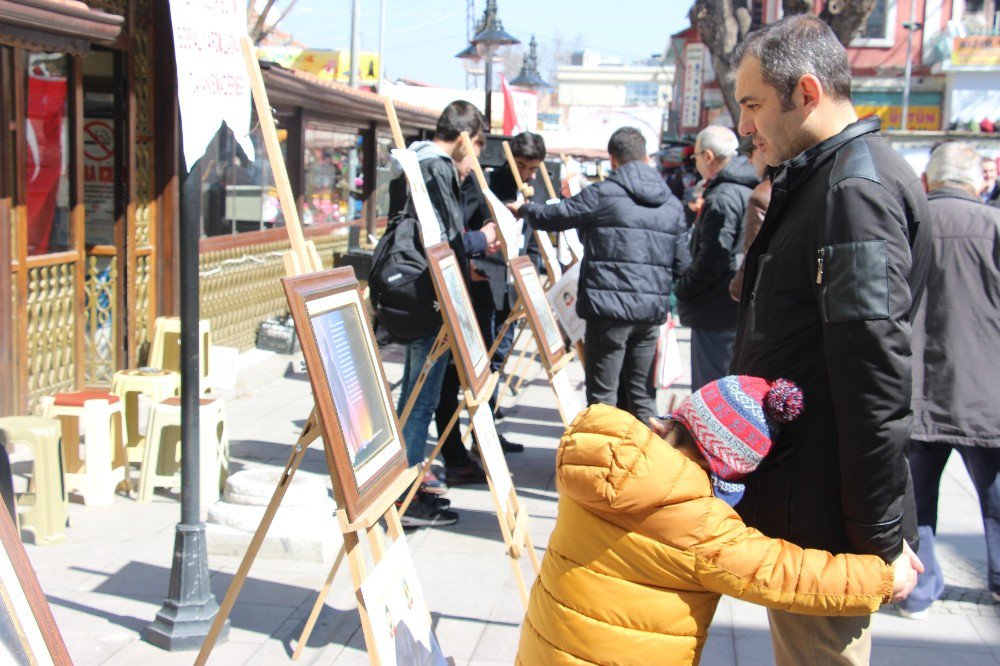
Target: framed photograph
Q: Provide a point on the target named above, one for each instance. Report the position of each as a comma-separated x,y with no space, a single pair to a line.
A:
400,622
539,314
456,309
28,632
562,297
349,385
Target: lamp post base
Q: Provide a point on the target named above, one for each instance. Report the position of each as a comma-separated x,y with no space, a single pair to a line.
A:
187,613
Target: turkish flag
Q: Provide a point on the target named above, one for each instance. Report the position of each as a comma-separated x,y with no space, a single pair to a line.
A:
511,124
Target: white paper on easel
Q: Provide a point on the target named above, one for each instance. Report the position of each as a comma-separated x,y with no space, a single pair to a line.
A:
430,226
400,621
507,224
566,398
485,430
549,252
562,297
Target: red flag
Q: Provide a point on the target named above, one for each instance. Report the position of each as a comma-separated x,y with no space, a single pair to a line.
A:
511,124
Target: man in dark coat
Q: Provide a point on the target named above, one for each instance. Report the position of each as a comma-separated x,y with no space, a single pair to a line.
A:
703,288
631,227
955,395
826,303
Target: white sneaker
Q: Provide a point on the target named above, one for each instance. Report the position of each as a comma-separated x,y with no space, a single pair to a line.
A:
914,615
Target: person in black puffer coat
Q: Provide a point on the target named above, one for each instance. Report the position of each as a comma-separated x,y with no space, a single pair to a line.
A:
633,233
716,253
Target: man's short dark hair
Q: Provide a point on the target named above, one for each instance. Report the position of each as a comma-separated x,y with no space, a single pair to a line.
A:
459,116
626,145
796,46
528,145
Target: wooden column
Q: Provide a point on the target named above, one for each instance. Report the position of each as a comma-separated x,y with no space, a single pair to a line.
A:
369,170
7,169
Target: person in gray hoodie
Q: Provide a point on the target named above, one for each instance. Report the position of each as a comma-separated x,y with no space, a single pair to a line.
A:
632,228
716,253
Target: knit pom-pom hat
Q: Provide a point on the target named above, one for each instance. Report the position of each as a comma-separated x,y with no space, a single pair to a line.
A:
734,421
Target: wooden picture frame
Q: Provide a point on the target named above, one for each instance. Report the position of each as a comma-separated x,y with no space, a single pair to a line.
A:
28,632
350,389
536,308
471,357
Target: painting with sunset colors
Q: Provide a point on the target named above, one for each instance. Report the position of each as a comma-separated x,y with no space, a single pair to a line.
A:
353,406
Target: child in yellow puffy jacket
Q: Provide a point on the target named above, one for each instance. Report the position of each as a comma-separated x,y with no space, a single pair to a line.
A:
646,539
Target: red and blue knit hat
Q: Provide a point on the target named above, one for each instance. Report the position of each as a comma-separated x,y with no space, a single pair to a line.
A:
734,421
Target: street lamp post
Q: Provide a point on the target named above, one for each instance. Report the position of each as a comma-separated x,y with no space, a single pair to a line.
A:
489,42
529,76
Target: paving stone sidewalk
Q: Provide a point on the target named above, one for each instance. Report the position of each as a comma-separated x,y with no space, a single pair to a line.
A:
106,582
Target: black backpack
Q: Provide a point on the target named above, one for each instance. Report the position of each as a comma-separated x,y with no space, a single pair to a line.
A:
400,284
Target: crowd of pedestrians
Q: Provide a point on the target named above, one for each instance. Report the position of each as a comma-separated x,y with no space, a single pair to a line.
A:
840,309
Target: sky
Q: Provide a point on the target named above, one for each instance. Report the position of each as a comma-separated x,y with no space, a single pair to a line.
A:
423,36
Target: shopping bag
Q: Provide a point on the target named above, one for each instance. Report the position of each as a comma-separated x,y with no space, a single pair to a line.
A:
667,367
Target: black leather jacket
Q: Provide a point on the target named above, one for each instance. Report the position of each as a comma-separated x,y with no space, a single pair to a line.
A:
826,302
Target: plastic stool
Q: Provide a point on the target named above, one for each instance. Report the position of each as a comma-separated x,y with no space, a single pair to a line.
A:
162,455
104,464
45,518
128,384
165,350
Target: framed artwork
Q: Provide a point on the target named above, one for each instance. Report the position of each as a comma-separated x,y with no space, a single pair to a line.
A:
28,632
536,305
562,297
485,430
456,308
400,622
349,385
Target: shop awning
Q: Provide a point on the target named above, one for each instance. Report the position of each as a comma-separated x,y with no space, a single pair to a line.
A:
339,101
56,25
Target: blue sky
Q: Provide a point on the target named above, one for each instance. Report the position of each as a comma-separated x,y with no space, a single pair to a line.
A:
423,36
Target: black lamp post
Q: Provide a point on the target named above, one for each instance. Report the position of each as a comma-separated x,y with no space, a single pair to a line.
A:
529,76
489,40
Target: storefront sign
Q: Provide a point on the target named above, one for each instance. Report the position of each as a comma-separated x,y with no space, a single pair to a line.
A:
99,180
327,64
917,118
694,70
976,51
212,81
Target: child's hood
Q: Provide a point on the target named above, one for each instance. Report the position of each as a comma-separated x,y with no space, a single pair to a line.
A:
609,461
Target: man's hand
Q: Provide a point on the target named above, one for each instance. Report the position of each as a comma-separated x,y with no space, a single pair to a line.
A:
515,208
905,569
662,428
492,233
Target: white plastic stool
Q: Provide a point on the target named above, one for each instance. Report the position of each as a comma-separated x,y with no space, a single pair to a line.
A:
165,349
162,454
104,464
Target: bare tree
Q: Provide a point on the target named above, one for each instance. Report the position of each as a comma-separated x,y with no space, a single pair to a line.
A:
722,24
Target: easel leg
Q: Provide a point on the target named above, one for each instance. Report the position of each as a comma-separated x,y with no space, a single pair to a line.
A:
511,362
522,587
318,606
530,547
528,368
427,463
309,433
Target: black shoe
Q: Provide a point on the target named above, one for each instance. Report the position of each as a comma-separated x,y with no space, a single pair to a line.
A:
509,447
469,474
500,414
423,513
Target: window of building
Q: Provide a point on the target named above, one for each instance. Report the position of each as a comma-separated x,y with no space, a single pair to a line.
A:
332,181
47,153
642,93
880,28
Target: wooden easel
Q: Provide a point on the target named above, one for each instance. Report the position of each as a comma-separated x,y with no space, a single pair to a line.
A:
302,259
511,515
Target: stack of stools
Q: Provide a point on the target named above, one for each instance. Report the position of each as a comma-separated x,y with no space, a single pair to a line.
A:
157,385
162,454
104,465
165,349
44,503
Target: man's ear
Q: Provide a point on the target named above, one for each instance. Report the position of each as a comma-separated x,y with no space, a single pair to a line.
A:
810,91
709,156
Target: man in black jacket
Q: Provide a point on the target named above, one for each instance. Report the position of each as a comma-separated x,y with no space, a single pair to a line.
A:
631,227
703,288
826,302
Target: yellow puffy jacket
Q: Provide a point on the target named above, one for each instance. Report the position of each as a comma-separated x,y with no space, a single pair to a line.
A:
642,550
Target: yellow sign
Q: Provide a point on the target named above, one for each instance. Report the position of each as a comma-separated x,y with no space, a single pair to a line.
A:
918,117
327,64
976,51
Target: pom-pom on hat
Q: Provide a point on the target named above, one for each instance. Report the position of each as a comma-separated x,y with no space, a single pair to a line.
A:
734,421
